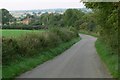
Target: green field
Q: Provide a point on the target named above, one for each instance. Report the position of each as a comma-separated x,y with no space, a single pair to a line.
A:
18,33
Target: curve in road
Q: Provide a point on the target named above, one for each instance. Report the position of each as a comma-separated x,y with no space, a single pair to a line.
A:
79,61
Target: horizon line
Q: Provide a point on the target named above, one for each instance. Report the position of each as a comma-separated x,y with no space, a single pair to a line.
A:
42,9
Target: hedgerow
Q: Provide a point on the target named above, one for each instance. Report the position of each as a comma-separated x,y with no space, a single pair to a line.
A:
14,49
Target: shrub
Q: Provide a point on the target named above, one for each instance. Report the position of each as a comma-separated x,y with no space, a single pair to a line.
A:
75,31
33,43
29,44
52,39
63,33
10,50
37,42
23,27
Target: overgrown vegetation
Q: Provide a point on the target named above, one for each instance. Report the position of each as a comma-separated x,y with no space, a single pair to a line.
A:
107,19
16,50
23,27
110,60
102,22
26,64
107,26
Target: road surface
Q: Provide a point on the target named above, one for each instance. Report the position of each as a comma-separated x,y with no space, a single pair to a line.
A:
79,61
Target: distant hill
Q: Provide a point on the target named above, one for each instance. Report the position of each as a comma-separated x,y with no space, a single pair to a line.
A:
50,10
19,13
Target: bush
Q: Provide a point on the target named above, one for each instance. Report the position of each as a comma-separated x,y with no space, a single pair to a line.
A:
23,27
74,30
10,50
63,33
52,39
37,42
32,44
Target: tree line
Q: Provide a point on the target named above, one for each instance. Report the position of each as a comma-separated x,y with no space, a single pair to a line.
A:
103,19
107,19
70,18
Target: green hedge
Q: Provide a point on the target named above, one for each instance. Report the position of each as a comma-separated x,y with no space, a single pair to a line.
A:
29,45
24,27
26,64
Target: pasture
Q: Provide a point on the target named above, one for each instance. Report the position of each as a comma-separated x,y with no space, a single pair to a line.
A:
18,33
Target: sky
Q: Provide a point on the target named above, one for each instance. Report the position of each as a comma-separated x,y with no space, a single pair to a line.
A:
39,4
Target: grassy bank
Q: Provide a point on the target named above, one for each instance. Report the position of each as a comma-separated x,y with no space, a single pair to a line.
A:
105,53
29,63
111,60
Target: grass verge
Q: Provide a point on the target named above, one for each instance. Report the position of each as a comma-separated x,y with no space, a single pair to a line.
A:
26,64
111,60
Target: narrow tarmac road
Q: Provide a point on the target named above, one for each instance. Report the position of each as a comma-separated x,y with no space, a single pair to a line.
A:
80,61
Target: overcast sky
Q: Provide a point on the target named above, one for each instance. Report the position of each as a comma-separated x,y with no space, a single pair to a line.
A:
39,4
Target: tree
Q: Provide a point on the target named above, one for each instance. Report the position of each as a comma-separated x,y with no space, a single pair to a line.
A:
108,20
72,17
51,20
56,20
6,17
89,21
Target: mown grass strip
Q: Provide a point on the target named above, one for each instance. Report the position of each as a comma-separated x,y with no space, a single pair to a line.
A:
29,63
111,60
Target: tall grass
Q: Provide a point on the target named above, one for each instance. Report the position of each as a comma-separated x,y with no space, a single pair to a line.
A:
15,69
16,50
32,43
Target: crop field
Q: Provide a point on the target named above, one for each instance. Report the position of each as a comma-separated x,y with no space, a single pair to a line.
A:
18,33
